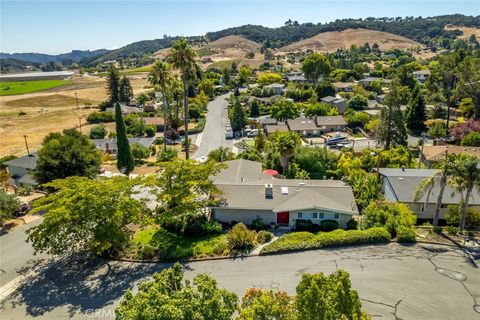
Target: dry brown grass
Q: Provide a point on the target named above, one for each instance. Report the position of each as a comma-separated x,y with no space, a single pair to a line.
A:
331,41
467,32
50,111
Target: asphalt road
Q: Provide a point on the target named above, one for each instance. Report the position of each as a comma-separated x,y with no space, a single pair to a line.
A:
213,135
394,282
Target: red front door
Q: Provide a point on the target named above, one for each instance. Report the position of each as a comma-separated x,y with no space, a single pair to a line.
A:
283,218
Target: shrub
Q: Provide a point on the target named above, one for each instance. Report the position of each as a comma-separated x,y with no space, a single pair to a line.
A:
389,215
99,117
167,155
104,105
22,113
472,220
220,249
437,230
452,230
352,224
199,127
328,225
405,234
305,240
191,225
210,227
239,238
139,151
150,131
306,225
264,236
158,141
257,224
147,252
98,132
472,139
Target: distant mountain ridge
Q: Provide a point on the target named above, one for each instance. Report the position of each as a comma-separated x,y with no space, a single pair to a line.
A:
73,56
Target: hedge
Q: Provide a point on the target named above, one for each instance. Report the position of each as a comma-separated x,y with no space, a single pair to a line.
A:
405,234
100,117
199,127
296,241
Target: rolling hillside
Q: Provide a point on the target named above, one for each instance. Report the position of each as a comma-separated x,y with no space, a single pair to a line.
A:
333,40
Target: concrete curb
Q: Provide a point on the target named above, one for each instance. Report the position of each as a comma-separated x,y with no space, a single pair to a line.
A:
190,260
461,246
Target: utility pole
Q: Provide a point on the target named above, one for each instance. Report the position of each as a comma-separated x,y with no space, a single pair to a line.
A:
76,98
421,152
26,144
80,123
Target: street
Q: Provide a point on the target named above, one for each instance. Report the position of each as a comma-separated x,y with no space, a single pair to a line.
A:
213,135
394,281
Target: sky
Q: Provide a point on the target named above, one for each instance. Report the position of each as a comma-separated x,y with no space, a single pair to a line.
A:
59,26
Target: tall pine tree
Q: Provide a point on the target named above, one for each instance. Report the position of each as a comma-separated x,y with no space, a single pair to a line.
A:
416,113
125,161
113,84
392,129
125,91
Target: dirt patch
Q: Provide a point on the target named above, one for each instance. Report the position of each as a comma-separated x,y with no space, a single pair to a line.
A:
467,32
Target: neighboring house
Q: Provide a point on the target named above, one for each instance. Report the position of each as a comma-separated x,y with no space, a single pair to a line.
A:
155,121
20,170
278,127
247,193
343,86
265,101
126,109
399,185
303,126
421,75
381,98
296,77
430,155
366,82
331,123
277,88
109,145
338,102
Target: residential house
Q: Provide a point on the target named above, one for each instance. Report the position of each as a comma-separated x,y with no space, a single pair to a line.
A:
277,127
430,155
331,123
366,82
265,101
296,77
399,185
20,170
155,121
338,102
381,98
277,88
303,126
247,193
421,75
109,145
343,86
126,109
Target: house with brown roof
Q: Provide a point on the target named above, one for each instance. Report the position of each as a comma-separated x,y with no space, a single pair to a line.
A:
343,86
247,193
155,121
433,154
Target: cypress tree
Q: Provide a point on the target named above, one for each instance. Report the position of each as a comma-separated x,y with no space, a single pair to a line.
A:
125,161
416,114
392,129
113,83
125,91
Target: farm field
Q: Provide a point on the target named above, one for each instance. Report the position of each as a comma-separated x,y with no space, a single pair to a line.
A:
37,114
21,87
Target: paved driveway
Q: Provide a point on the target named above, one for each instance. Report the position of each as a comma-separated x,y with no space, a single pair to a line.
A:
213,135
394,282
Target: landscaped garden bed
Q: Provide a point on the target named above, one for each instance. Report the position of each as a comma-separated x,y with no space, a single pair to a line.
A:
297,241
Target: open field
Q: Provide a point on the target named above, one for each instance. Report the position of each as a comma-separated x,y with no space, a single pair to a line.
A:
21,87
331,41
51,111
467,32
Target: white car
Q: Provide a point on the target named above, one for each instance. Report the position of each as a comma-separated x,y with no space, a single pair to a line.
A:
228,133
202,159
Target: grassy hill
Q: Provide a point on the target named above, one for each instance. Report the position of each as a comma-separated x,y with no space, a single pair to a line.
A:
333,40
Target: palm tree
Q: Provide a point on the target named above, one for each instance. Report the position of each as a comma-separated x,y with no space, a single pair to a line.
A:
160,77
182,57
427,185
466,176
285,144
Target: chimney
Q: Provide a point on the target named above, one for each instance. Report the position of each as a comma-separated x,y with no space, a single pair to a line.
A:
107,147
268,191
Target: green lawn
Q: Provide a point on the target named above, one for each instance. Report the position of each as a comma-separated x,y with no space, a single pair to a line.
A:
249,142
21,87
171,246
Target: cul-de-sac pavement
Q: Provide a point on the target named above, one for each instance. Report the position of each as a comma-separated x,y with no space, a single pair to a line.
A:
421,281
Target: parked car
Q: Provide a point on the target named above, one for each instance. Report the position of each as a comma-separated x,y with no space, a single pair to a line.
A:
228,133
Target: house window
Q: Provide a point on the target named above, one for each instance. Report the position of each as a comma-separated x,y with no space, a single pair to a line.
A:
300,215
314,215
443,205
321,215
337,216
